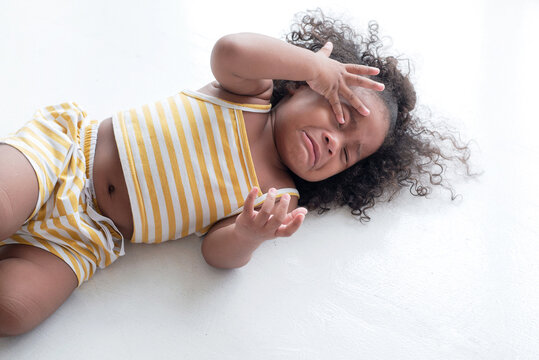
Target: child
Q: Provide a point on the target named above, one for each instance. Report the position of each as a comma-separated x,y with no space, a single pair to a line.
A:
226,161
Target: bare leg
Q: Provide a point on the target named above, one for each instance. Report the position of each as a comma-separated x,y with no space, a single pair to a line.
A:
33,284
18,190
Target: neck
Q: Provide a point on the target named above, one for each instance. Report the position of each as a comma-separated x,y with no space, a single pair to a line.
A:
270,128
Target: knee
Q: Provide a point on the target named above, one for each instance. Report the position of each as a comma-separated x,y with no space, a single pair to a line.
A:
15,316
31,288
18,311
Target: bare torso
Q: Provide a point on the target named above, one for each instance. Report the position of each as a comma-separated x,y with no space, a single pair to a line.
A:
109,182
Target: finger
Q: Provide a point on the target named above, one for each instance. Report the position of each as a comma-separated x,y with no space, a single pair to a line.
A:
279,212
292,215
354,100
364,82
337,108
265,211
326,49
248,206
287,230
362,69
365,70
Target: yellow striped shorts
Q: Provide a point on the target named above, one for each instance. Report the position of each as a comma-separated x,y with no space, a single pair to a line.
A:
60,144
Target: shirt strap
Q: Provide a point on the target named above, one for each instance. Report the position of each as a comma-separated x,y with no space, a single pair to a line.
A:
258,108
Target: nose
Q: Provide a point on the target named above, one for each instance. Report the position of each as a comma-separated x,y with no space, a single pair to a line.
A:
332,143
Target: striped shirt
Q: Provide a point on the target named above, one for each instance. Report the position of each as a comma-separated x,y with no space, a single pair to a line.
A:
187,164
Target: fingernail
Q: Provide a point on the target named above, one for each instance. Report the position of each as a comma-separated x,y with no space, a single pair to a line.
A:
341,120
286,197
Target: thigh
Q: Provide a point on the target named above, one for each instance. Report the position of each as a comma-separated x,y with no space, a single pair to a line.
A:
33,284
19,189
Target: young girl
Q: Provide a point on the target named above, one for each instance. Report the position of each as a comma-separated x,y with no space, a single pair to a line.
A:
225,161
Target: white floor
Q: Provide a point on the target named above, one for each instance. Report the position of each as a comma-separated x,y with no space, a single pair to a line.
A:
425,279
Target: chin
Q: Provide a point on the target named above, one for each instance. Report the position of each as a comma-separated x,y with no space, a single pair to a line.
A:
297,169
312,178
307,176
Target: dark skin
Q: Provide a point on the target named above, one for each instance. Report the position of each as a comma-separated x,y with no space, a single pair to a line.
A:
340,145
336,101
34,282
109,181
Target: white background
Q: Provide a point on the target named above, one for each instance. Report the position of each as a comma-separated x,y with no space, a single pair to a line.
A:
425,279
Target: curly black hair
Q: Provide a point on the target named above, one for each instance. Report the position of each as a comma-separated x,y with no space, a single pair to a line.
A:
411,153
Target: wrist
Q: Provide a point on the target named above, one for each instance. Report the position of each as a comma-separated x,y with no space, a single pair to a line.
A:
245,237
315,66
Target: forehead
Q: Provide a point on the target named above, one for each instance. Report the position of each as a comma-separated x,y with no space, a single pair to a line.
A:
373,128
370,99
378,111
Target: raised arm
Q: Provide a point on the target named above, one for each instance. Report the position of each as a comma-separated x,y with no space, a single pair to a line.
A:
246,64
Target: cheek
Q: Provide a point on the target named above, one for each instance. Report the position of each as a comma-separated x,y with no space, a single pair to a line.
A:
290,151
379,141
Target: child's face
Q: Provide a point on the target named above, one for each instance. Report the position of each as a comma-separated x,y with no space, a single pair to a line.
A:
314,146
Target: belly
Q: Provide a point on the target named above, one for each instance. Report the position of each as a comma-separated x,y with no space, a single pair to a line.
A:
109,183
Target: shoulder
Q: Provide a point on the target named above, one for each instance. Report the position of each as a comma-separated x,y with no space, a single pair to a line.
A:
279,180
215,89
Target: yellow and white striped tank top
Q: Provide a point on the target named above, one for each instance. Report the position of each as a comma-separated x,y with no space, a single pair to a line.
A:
187,164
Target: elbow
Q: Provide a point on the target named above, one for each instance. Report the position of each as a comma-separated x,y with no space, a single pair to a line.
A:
221,261
223,264
228,43
226,49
